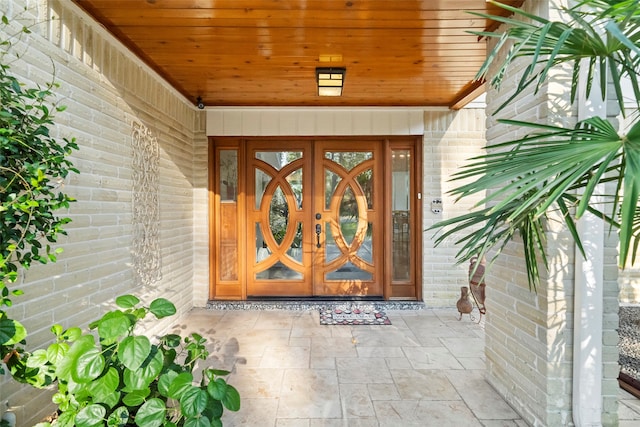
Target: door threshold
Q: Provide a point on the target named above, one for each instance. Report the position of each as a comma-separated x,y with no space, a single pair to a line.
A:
312,303
317,298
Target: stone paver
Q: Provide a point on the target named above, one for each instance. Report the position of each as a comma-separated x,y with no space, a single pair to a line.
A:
426,369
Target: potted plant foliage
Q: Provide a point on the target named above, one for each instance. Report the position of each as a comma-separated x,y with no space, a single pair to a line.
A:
109,375
121,378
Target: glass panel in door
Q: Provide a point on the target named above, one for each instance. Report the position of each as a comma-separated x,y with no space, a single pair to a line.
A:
277,222
401,214
347,214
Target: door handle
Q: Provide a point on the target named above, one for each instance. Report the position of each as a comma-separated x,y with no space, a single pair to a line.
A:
318,231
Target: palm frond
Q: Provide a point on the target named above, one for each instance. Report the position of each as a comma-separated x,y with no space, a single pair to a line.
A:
605,33
556,168
493,232
630,193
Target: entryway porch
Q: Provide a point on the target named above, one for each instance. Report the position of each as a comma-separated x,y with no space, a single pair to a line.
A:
426,369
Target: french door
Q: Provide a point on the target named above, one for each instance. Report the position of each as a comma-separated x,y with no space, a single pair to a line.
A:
312,218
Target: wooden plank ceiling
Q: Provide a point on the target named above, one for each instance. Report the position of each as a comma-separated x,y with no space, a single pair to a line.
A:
265,52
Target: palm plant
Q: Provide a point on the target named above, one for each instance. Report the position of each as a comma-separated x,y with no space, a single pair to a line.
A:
554,167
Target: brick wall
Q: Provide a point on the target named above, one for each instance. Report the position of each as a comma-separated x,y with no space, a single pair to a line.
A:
106,90
529,335
450,138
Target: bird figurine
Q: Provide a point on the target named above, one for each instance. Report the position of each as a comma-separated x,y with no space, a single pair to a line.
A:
476,281
464,305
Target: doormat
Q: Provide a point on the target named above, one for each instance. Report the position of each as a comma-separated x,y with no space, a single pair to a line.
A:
352,316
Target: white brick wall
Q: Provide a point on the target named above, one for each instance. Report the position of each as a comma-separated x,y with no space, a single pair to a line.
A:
451,137
529,335
105,90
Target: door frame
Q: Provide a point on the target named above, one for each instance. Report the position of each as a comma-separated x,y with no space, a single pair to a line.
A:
228,222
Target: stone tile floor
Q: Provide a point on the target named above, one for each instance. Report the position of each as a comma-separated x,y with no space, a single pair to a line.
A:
426,369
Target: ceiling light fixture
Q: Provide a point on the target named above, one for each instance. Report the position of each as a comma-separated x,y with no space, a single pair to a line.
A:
330,81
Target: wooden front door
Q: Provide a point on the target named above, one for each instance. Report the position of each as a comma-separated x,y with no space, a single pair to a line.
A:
314,219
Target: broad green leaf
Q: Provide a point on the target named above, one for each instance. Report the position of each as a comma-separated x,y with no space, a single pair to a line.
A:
113,325
91,416
11,332
197,422
88,366
162,308
212,372
151,414
103,387
127,301
119,417
217,389
214,410
59,398
133,351
56,352
136,397
181,383
57,330
37,358
66,419
231,399
79,347
164,382
172,340
110,400
193,401
72,334
140,378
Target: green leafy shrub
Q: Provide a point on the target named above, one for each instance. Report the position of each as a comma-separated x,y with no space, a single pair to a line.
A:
33,164
124,379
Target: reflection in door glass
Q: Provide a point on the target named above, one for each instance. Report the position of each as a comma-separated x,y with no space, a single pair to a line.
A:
228,175
278,159
295,182
262,180
331,181
277,271
401,206
348,216
331,250
294,179
278,215
295,250
365,180
262,252
349,272
348,159
365,251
